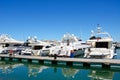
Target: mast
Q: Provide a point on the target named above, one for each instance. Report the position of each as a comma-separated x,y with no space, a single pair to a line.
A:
98,28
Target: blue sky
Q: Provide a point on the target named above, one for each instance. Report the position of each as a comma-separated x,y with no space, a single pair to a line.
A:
50,19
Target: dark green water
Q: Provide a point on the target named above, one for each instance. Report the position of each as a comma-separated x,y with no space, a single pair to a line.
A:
33,71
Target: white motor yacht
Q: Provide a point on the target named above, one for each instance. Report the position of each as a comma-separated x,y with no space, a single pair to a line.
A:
101,45
36,47
8,43
69,44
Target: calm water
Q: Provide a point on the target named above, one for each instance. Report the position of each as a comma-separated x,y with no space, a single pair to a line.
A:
34,71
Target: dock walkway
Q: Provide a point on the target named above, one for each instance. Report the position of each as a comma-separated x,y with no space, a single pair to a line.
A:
69,61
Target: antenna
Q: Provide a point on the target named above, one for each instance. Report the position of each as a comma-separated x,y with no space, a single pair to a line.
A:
80,35
98,28
29,37
92,33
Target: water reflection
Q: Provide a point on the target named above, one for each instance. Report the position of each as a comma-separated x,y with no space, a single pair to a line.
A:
7,67
35,69
69,72
101,75
30,71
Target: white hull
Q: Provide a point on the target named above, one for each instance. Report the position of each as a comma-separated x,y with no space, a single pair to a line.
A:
101,46
99,53
65,51
70,46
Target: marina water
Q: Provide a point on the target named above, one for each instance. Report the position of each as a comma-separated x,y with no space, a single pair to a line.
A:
34,71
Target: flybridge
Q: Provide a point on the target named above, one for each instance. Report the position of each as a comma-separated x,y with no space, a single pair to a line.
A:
4,38
99,33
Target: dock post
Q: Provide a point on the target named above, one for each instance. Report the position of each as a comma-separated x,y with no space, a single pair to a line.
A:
20,60
41,61
10,58
55,56
69,63
105,66
30,60
2,58
86,65
54,62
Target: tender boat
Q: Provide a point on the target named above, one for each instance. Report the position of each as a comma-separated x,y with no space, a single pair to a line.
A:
101,45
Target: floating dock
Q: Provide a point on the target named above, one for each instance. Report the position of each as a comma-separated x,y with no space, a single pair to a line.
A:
105,63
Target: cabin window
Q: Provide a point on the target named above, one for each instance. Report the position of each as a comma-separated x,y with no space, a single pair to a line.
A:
17,45
48,46
83,43
26,44
101,44
37,47
6,45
